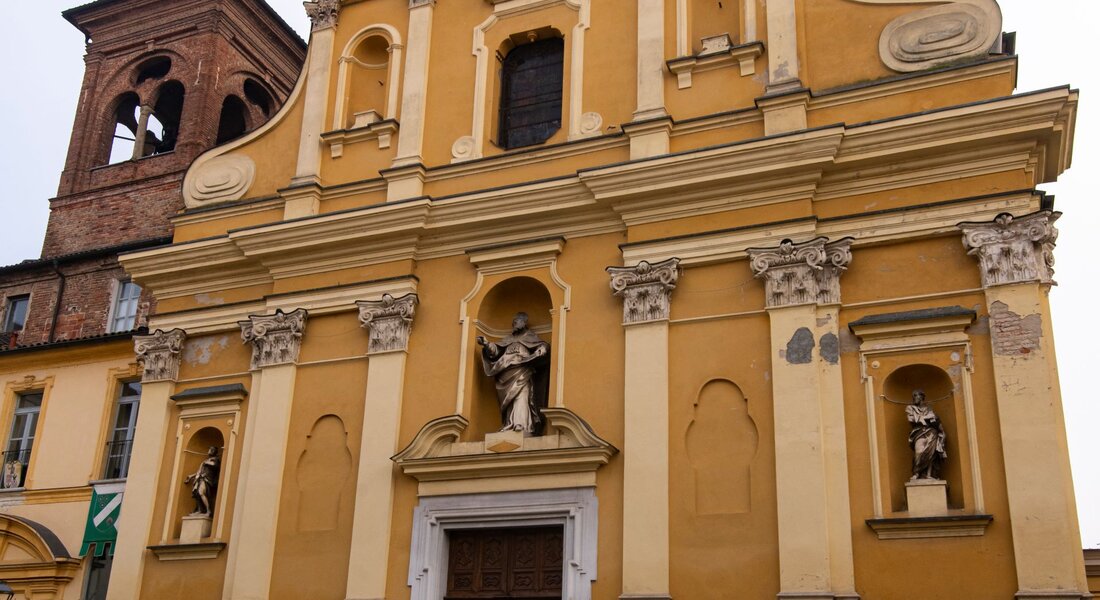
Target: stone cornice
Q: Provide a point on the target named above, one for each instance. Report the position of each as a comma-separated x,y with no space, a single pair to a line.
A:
276,339
802,273
646,290
159,354
389,322
1013,249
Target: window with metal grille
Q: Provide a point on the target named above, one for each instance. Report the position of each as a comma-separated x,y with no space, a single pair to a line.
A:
121,440
531,91
126,304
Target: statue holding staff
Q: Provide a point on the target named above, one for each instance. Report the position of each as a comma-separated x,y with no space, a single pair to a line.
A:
518,363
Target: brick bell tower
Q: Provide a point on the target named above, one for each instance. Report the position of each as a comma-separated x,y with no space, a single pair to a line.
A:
164,81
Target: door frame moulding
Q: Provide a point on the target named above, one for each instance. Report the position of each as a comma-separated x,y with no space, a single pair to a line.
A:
575,509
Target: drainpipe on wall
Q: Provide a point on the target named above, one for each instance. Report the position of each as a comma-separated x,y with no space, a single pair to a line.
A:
57,302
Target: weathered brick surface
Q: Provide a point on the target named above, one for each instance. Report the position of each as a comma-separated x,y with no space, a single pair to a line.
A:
215,46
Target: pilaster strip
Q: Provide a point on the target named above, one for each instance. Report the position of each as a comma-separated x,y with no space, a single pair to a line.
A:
646,289
1013,249
159,354
389,322
276,339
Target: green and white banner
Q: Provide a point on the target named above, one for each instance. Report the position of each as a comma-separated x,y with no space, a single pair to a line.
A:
102,527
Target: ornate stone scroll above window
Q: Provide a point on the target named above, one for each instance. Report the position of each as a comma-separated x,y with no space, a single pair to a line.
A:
276,339
323,13
159,354
646,289
389,322
802,273
946,33
221,179
1013,249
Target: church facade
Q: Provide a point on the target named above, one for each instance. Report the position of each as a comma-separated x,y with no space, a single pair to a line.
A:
596,300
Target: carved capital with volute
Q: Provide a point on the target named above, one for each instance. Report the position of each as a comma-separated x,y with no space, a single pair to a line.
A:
646,289
323,13
802,273
388,322
1013,249
276,339
159,354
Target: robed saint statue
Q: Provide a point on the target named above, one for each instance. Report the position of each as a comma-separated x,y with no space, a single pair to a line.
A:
519,364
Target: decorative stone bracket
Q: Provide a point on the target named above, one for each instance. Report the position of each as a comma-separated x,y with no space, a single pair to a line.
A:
323,13
276,339
1013,249
159,354
646,289
566,456
802,273
389,322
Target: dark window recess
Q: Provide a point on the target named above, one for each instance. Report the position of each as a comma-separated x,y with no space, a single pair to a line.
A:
168,111
154,68
99,575
15,315
234,119
259,96
505,564
531,89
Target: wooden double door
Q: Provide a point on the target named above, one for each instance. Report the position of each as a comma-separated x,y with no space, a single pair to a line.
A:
520,563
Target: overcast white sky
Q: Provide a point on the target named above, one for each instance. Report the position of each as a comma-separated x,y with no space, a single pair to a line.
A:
42,66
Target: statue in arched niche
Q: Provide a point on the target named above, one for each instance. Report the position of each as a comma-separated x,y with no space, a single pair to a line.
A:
519,365
926,438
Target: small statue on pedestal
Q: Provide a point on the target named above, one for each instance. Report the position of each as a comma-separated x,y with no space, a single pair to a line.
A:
518,363
926,438
204,483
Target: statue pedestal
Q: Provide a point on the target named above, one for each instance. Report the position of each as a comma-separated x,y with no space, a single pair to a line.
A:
504,441
926,497
195,528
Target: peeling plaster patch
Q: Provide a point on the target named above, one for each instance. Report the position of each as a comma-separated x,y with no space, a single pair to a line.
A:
980,326
823,321
208,300
848,341
1014,335
800,349
201,350
830,348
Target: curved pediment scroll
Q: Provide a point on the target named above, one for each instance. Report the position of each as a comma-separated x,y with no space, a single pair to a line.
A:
944,33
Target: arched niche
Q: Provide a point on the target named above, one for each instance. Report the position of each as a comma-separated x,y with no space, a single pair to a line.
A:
368,78
195,448
942,392
721,441
322,470
495,312
710,18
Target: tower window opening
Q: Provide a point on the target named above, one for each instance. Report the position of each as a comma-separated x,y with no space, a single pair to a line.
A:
531,93
234,119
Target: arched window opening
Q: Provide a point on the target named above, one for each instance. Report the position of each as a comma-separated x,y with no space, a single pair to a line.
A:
166,114
369,81
234,119
713,18
531,93
258,95
153,68
124,128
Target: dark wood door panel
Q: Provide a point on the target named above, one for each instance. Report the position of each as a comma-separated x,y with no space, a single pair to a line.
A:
505,564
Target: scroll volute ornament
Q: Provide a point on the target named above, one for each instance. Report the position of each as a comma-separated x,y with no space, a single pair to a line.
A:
1013,249
388,321
276,339
323,13
646,289
159,354
801,273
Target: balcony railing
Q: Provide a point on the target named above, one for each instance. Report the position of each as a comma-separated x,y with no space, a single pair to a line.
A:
117,462
14,468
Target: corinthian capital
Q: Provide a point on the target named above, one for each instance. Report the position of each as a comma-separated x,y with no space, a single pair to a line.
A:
323,13
646,289
803,273
1013,249
388,321
159,354
276,339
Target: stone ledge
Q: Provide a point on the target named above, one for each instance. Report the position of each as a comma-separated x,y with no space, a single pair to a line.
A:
908,528
188,551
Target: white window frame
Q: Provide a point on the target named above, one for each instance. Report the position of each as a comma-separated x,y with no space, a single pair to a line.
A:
575,509
131,428
26,437
8,301
115,317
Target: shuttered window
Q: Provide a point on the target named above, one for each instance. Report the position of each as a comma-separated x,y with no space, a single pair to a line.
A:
531,91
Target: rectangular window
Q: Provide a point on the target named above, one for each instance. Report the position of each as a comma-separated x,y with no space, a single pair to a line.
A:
531,92
17,454
121,436
126,305
15,314
99,575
